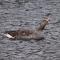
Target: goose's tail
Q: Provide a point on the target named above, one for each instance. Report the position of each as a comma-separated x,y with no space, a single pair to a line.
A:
7,35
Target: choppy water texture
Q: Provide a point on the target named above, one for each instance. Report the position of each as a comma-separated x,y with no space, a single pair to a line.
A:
17,13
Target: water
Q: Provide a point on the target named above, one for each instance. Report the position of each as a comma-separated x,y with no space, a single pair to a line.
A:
14,14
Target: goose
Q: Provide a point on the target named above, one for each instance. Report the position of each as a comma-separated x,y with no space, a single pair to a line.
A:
24,33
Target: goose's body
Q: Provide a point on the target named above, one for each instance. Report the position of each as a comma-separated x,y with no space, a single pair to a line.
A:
26,33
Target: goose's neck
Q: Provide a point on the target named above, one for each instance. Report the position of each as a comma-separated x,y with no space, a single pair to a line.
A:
42,25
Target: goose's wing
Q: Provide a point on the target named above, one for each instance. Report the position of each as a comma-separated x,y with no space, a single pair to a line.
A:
18,33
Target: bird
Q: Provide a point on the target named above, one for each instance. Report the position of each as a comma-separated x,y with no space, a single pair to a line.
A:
24,33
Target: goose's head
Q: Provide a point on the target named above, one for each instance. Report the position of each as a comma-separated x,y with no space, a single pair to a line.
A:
46,18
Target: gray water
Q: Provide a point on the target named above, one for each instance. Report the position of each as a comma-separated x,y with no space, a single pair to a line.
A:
17,13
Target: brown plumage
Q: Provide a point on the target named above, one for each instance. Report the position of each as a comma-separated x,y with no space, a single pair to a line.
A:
43,24
26,33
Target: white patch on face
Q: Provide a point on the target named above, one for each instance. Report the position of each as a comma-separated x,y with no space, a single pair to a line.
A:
47,19
8,35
